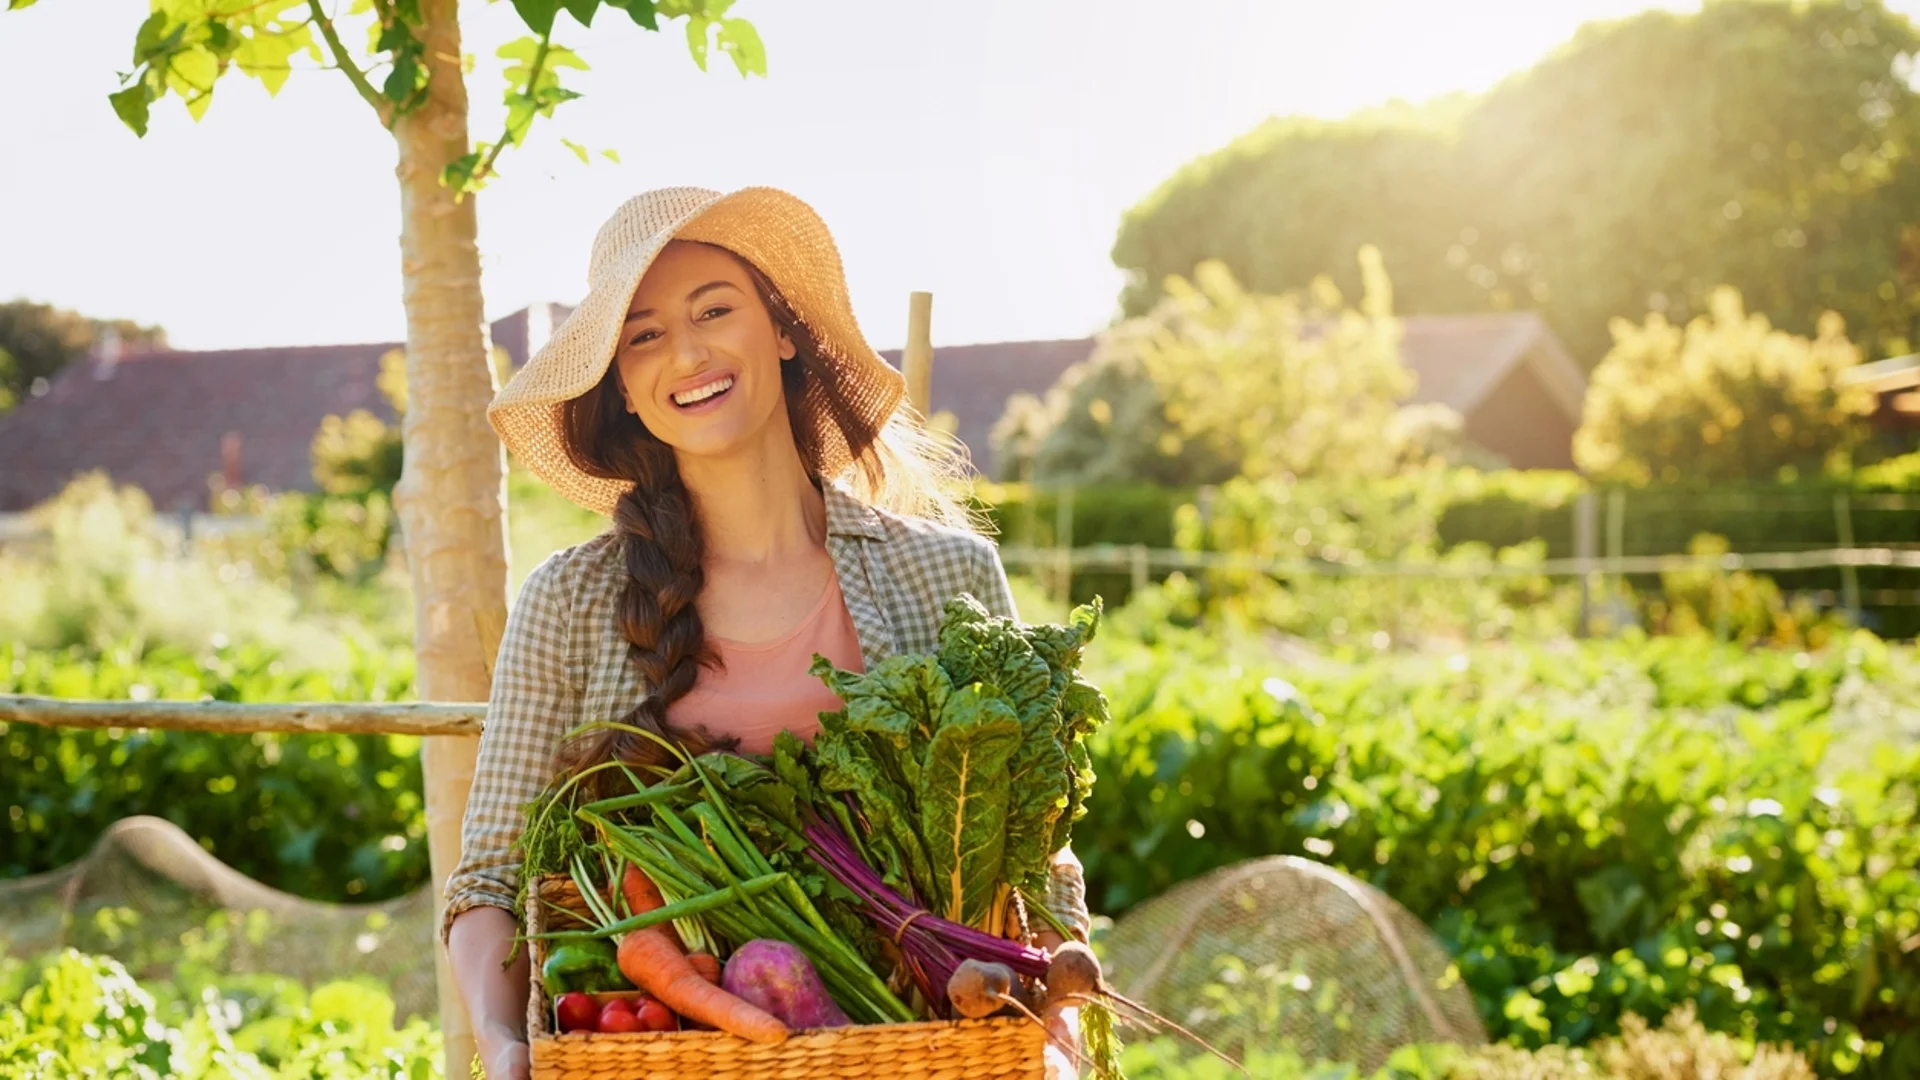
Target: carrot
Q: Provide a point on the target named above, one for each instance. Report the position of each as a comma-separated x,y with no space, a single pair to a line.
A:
707,964
653,960
655,964
643,896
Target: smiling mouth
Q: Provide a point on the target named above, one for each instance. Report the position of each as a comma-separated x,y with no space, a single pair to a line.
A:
687,399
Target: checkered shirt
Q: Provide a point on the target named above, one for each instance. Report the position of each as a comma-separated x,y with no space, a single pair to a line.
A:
564,661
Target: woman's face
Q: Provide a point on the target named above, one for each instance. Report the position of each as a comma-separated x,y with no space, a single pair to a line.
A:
699,357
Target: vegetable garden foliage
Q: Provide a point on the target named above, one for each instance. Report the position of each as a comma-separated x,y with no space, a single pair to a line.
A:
261,1027
1766,146
1620,827
73,1015
329,817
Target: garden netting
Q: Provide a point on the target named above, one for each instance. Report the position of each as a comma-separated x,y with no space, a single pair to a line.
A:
1274,951
1285,950
150,897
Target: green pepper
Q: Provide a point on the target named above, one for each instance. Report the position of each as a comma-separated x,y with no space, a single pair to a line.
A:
588,966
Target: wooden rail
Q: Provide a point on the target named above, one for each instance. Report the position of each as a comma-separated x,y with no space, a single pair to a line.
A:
342,718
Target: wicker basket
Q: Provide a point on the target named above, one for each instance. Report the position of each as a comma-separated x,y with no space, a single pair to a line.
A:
960,1050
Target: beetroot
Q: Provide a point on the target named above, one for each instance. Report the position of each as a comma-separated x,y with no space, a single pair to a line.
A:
776,976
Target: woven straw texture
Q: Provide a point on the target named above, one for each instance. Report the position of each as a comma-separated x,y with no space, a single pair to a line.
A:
771,229
965,1050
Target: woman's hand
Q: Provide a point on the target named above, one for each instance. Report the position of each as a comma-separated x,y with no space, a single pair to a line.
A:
505,1059
1063,1044
1062,1024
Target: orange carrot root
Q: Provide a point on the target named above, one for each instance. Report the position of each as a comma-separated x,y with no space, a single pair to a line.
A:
655,964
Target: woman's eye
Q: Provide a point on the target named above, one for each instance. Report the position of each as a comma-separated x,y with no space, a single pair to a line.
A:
715,311
644,337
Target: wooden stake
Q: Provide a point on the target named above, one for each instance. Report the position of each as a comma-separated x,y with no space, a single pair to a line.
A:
916,360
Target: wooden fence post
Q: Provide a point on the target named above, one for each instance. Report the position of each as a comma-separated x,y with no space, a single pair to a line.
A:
1585,541
1849,575
1063,542
916,360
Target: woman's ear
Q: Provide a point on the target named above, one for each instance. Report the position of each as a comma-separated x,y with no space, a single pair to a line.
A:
787,349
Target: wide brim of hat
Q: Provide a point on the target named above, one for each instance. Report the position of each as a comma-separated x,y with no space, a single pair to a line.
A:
776,232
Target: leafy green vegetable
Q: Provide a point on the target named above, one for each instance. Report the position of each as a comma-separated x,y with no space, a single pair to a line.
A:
966,765
963,802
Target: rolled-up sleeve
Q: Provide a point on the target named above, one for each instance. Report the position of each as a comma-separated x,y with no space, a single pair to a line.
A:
533,702
1066,898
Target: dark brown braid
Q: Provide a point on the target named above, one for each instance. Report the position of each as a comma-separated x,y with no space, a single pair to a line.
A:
663,547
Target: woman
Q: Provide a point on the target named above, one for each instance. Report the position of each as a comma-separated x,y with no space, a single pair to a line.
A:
771,498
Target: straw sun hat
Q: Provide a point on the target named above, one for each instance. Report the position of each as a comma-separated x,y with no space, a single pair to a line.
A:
774,231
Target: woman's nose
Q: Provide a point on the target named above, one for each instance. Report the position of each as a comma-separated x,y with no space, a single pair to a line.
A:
689,353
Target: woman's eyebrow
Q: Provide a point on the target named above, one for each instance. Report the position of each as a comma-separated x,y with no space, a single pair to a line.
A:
691,297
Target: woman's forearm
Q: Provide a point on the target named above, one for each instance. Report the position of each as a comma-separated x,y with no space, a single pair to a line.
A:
495,996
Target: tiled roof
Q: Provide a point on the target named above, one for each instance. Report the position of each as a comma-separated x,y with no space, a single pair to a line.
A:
158,420
1457,359
973,382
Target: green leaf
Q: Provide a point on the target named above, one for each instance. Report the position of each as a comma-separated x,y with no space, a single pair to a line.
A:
268,57
458,174
1612,897
403,81
581,10
130,105
147,40
963,802
611,155
221,39
16,5
578,150
849,764
641,11
741,41
537,14
697,28
521,49
1040,784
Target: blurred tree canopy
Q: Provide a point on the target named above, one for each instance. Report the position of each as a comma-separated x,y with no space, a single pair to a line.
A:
1765,145
37,340
1726,398
1217,381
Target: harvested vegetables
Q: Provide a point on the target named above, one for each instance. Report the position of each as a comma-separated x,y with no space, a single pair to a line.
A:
865,878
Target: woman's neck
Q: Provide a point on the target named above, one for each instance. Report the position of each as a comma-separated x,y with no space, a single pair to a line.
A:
758,507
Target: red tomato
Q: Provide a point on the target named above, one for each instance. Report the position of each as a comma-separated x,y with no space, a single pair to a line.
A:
656,1017
577,1012
618,1018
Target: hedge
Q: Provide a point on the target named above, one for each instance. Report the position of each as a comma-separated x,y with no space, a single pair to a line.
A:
1627,827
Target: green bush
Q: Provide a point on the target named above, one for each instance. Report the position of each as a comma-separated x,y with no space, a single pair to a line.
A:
76,1015
1502,509
1679,1050
1624,827
331,817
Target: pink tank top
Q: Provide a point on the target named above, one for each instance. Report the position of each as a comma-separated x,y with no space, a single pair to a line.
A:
764,688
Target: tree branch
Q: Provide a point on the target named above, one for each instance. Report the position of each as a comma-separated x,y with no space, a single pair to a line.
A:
381,107
533,78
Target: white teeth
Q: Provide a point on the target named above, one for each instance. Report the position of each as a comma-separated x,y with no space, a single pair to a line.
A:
701,393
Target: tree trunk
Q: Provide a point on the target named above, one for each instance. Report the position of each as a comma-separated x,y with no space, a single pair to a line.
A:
451,497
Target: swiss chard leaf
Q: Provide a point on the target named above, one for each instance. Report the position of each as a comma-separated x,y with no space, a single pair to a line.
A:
963,802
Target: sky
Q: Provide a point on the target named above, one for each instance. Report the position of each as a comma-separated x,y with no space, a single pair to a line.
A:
984,151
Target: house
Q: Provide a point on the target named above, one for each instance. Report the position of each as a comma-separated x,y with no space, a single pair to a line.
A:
168,421
1505,373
